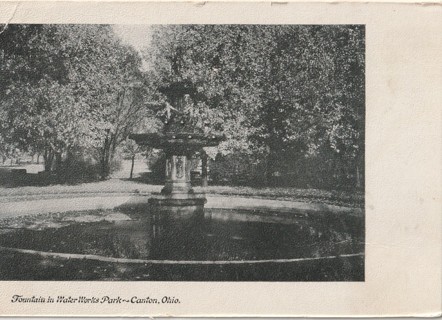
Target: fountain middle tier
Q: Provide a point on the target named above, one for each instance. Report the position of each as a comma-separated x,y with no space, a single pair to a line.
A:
177,196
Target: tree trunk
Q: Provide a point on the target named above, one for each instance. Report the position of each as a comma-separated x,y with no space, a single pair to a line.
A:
107,155
270,179
103,173
57,164
68,165
204,170
45,161
268,173
358,177
38,158
48,157
132,167
105,165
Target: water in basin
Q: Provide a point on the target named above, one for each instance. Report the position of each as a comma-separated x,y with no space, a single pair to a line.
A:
224,245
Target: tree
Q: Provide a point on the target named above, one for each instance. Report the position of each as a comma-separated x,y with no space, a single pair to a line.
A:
69,87
131,149
284,91
40,111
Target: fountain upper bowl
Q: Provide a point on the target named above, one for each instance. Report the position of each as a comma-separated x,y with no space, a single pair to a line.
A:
175,140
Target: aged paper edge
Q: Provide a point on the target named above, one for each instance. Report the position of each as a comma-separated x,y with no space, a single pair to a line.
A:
387,119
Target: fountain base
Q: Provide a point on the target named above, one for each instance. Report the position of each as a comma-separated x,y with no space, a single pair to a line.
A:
178,199
179,204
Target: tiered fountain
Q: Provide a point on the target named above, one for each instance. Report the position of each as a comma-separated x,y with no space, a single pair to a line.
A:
180,141
173,239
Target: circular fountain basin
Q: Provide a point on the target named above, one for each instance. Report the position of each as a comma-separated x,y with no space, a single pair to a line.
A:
225,245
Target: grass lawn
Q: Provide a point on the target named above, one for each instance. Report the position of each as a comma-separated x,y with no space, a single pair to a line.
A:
335,197
344,198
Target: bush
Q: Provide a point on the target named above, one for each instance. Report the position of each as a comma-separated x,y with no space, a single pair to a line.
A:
290,170
237,169
157,166
80,168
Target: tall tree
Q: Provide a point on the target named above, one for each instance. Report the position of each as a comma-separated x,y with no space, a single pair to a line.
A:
67,87
285,91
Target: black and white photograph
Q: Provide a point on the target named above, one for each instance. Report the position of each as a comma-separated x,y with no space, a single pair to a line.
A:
220,159
182,152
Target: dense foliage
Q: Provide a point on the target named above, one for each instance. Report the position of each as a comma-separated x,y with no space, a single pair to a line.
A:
67,90
290,99
292,94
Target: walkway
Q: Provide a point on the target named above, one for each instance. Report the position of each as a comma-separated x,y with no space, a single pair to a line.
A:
110,201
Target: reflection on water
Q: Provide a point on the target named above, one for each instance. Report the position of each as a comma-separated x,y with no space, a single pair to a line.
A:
221,235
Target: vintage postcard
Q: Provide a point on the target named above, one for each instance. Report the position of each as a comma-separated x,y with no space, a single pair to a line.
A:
220,159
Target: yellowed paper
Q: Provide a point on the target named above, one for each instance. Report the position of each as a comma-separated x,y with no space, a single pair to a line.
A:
403,169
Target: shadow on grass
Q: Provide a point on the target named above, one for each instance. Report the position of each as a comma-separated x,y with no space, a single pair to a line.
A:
11,177
146,178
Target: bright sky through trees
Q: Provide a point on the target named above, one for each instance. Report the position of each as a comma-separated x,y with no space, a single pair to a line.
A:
137,36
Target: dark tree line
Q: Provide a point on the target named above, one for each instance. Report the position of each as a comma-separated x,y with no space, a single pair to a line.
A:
294,95
290,99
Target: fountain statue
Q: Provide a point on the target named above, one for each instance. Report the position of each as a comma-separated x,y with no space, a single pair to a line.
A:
180,140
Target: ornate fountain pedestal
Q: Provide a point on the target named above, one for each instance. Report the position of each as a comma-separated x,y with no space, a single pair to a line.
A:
177,195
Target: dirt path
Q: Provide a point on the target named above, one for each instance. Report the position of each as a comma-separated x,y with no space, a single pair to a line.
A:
18,208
